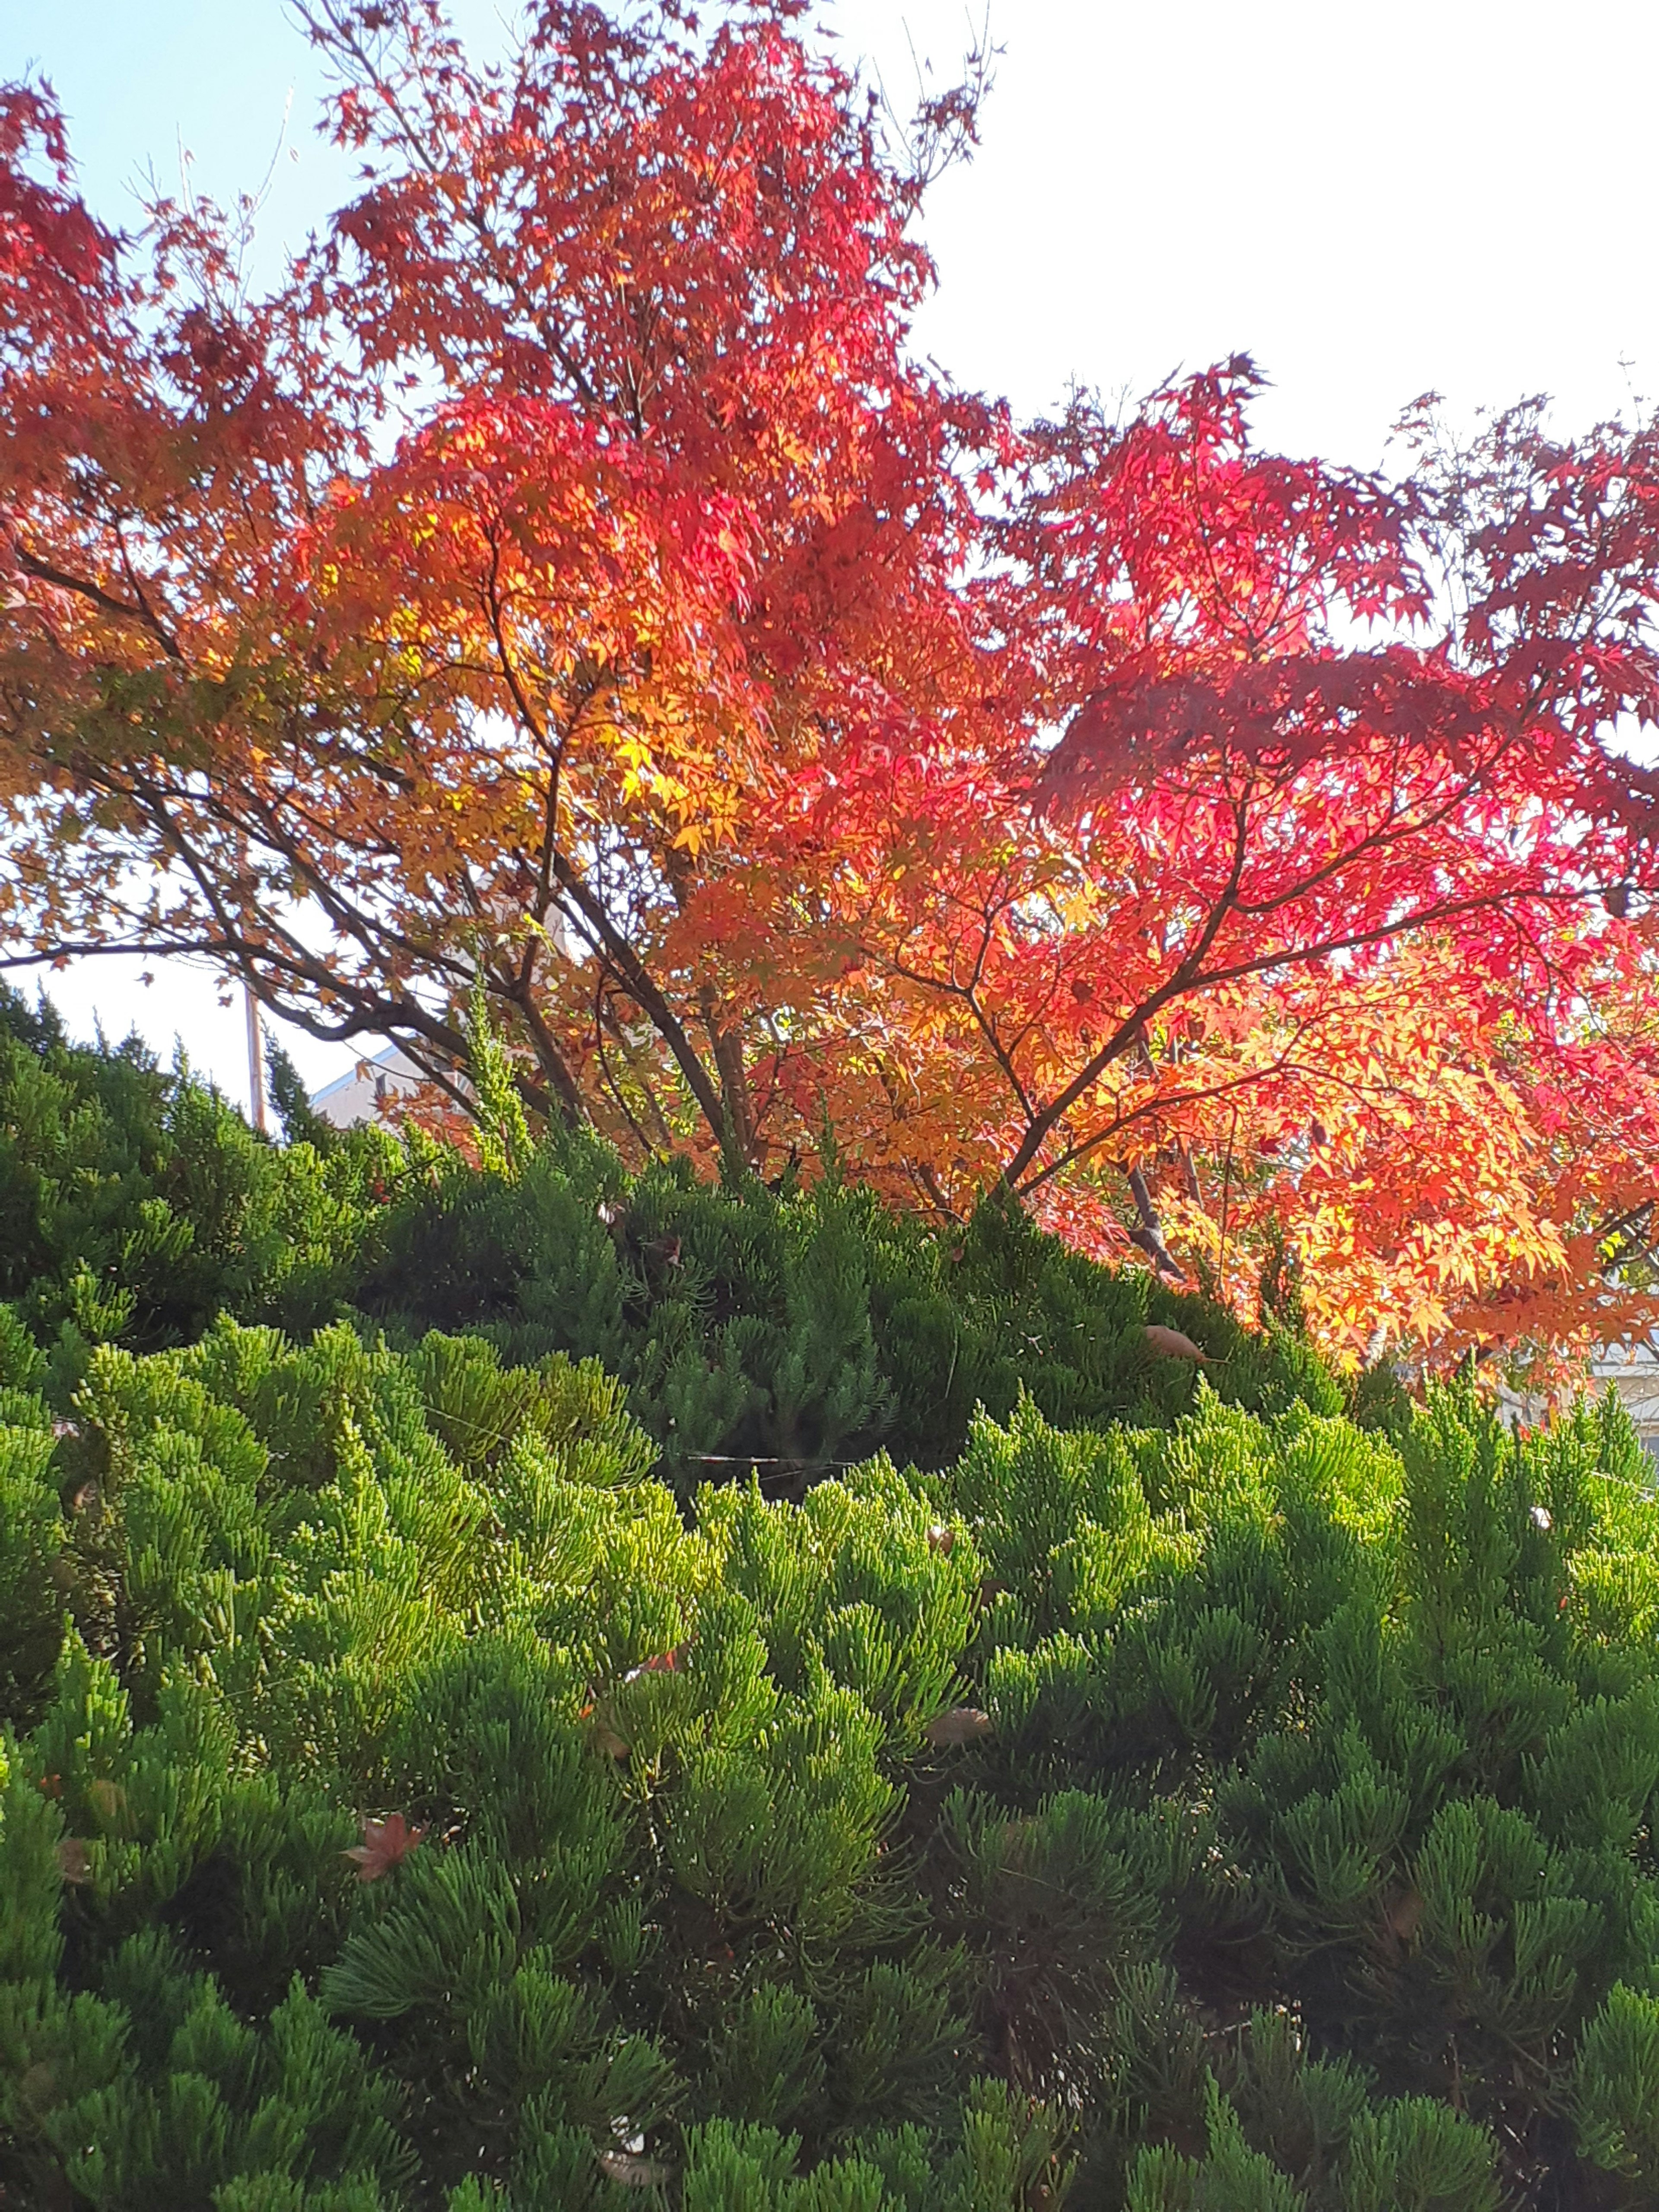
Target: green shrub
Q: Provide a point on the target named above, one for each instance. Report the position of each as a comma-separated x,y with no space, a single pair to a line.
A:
796,1330
134,1206
1301,1857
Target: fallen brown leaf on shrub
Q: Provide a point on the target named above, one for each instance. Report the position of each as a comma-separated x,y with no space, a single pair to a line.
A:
1406,1915
74,1862
107,1799
962,1724
632,2172
1174,1343
386,1844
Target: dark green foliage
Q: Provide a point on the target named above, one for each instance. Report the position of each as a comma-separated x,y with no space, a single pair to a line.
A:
797,1329
290,1102
136,1206
1175,1796
1307,1859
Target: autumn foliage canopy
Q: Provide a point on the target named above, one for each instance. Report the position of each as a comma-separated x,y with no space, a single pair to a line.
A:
568,585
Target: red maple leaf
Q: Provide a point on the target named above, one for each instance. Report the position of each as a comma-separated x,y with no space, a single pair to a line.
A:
386,1844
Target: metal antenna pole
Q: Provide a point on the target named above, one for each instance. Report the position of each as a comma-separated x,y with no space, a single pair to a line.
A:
256,1059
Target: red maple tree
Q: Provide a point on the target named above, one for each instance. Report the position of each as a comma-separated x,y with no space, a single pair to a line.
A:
567,584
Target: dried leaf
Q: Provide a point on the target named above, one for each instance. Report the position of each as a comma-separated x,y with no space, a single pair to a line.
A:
1172,1344
73,1862
1406,1915
38,2089
386,1844
962,1724
107,1799
631,2171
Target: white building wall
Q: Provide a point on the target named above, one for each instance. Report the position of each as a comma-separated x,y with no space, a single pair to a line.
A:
1633,1371
370,1093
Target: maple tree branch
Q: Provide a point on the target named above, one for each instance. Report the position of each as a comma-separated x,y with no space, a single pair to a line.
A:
1150,1236
1003,1056
647,1148
1182,979
1164,1102
921,1173
632,971
1308,956
1279,956
44,572
373,1012
549,1057
1397,830
515,989
604,1018
1148,1108
134,585
374,935
727,1047
968,995
65,948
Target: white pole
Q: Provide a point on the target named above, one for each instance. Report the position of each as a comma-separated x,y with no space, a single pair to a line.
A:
256,1061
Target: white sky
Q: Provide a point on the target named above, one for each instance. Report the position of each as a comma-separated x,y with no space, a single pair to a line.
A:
1373,200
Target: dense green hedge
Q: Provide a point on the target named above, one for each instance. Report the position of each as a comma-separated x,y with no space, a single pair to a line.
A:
136,1206
1305,1856
800,1327
1154,1791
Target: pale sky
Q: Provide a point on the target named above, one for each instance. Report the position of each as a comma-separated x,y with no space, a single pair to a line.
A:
1373,200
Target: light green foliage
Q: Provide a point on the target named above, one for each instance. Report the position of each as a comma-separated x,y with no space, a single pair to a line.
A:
306,1585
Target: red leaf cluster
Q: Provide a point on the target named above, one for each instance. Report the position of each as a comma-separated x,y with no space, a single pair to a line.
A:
569,582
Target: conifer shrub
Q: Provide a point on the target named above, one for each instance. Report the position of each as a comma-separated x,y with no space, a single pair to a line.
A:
136,1206
796,1328
409,1800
